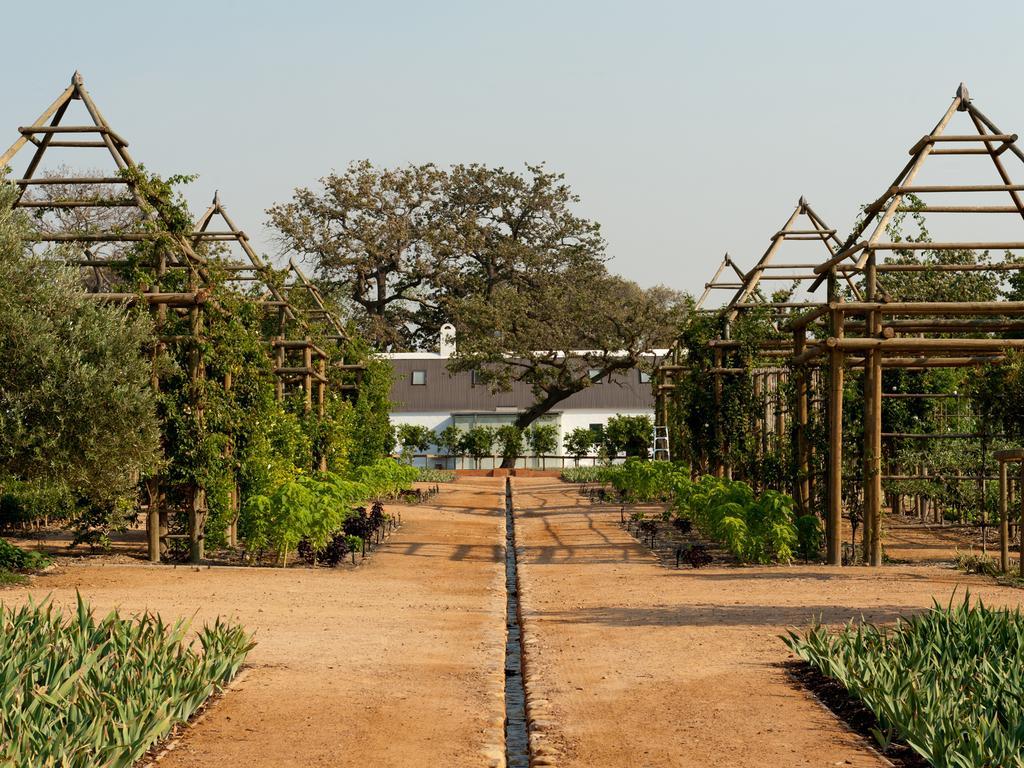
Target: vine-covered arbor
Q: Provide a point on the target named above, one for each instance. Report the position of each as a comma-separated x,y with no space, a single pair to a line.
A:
928,280
133,243
889,323
742,349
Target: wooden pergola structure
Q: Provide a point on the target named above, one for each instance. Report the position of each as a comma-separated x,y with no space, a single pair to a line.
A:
93,216
778,264
879,330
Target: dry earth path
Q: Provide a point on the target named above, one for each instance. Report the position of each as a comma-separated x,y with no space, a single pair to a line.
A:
398,662
640,666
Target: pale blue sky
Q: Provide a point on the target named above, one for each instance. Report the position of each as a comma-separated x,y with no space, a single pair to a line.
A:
688,129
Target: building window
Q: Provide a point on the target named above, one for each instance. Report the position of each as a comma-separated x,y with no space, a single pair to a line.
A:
645,377
419,378
476,379
593,373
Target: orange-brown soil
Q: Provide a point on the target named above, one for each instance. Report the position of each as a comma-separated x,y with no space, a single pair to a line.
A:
399,662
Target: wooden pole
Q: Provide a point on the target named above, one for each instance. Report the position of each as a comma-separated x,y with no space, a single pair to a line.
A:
835,446
197,507
1004,521
802,486
1020,526
307,379
876,458
279,353
719,432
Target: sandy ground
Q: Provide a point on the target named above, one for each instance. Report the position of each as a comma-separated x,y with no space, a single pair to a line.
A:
398,662
640,665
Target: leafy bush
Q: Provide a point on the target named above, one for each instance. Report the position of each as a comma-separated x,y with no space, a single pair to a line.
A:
640,481
754,530
477,442
945,682
425,475
969,562
78,693
629,434
14,558
315,508
808,537
542,439
414,437
509,438
579,442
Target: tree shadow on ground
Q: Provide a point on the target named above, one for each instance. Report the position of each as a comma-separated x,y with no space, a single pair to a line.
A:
725,615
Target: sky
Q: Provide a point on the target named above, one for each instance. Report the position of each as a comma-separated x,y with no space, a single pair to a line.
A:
688,129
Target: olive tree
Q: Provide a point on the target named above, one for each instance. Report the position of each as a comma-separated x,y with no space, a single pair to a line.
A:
76,405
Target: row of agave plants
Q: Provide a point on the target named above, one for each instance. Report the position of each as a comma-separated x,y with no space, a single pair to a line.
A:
81,692
948,683
754,528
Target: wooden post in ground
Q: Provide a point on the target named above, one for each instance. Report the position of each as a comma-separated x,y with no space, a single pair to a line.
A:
197,505
802,486
321,395
719,432
875,453
835,447
1004,521
1020,526
279,363
307,378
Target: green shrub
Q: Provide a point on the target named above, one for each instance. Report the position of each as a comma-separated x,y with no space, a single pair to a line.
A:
642,481
79,693
754,529
946,682
969,562
509,438
14,558
808,537
425,475
315,507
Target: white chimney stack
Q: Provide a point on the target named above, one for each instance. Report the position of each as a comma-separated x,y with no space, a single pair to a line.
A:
447,340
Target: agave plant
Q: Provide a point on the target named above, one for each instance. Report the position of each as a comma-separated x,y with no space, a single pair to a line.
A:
77,692
948,682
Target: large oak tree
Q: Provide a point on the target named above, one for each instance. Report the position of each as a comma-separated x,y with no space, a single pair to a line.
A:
368,232
576,328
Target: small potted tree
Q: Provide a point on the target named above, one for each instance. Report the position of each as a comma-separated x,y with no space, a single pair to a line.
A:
578,443
542,439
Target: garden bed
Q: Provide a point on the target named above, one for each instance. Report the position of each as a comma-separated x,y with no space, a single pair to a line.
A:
945,682
79,691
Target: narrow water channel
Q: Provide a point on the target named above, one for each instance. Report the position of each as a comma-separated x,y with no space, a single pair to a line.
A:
517,745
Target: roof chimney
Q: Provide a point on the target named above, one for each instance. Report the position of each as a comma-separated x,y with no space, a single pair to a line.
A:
447,340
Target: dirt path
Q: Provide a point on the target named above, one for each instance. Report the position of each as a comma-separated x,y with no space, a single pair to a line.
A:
396,663
636,665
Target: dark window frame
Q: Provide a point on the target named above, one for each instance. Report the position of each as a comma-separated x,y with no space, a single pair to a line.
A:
412,378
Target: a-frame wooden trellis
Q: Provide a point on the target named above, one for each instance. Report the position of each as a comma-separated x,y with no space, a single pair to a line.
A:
884,330
309,369
42,192
803,224
50,132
